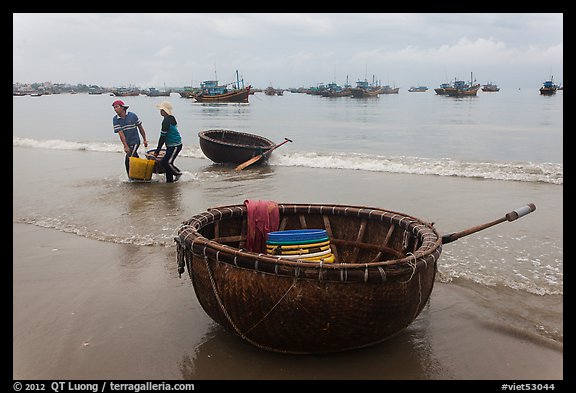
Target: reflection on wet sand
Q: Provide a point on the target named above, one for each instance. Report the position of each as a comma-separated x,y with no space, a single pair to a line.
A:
224,183
222,355
228,171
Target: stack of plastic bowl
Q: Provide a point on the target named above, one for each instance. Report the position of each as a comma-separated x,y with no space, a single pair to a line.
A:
304,244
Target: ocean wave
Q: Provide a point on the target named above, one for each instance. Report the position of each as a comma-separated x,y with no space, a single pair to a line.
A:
552,173
511,171
165,240
106,147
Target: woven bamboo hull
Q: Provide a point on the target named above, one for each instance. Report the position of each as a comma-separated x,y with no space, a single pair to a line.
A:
380,282
226,146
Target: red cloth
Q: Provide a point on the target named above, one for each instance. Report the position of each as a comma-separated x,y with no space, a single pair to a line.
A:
263,217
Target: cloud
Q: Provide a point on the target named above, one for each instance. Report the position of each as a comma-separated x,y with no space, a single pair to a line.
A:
289,49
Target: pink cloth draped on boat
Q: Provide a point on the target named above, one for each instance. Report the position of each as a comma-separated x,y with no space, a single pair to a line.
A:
263,217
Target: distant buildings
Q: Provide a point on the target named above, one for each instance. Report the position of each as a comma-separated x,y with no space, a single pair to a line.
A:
42,88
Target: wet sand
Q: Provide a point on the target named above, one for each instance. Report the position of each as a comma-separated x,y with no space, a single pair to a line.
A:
88,309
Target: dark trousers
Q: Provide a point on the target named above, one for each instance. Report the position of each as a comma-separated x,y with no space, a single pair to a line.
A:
168,162
133,153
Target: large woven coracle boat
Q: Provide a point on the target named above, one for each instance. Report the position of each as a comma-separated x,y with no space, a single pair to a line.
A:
380,280
227,146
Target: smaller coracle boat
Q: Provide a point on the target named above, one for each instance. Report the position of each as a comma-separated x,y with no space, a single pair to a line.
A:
158,168
233,147
377,282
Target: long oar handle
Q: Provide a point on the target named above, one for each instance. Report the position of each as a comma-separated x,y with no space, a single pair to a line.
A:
513,215
277,146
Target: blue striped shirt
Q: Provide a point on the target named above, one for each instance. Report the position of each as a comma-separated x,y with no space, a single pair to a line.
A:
129,126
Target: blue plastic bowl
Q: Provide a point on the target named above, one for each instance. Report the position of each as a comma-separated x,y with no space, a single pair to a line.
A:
298,235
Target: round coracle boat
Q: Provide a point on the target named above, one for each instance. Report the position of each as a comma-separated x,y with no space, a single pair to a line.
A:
227,146
158,168
382,275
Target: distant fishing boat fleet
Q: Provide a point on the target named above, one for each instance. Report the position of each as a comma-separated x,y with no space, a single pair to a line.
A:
456,88
236,92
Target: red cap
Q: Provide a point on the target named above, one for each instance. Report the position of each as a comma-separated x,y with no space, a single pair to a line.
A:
121,103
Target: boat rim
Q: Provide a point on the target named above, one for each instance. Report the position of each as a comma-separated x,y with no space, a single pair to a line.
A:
205,135
189,237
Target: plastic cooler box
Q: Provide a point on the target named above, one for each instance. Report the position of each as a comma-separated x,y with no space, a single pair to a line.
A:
141,168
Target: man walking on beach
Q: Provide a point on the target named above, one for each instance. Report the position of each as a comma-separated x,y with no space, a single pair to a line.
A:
126,125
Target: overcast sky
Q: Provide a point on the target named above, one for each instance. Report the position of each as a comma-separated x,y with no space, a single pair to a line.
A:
287,50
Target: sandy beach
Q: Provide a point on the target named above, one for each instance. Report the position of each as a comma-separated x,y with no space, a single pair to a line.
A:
87,309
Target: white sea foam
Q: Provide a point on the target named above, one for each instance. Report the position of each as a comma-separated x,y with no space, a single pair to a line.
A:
511,171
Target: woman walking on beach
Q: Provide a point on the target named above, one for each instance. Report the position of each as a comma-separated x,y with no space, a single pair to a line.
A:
171,136
126,125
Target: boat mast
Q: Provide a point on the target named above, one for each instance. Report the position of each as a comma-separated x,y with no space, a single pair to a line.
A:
238,81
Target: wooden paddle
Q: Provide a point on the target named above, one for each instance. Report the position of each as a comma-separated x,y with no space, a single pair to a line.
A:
258,157
513,215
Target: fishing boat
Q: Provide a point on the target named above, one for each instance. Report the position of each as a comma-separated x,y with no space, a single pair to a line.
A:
188,91
441,91
364,90
211,91
153,92
335,90
389,90
381,277
418,89
227,146
125,92
270,91
548,88
462,89
490,87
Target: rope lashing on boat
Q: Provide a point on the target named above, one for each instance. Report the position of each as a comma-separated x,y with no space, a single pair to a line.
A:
183,256
180,258
343,275
412,265
273,307
382,273
416,310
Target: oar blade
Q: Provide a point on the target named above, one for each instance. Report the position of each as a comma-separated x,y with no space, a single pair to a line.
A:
265,154
249,162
